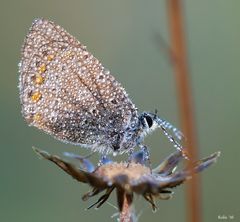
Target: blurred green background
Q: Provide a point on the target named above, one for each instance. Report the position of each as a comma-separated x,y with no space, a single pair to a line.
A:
124,36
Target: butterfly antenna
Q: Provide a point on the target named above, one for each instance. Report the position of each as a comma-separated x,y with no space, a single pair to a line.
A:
164,125
169,126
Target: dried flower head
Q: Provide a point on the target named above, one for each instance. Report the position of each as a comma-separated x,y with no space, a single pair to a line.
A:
129,178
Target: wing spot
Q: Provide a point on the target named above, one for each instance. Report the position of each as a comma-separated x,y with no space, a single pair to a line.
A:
114,101
38,79
36,96
42,68
50,57
37,117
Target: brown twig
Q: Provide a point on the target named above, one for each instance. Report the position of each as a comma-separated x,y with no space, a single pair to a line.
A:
125,206
185,103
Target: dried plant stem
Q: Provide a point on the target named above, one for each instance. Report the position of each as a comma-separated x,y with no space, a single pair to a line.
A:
185,102
125,206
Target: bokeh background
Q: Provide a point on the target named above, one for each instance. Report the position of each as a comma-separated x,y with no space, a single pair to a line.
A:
124,35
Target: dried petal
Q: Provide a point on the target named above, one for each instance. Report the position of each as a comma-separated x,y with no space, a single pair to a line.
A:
169,164
86,164
67,167
102,199
91,193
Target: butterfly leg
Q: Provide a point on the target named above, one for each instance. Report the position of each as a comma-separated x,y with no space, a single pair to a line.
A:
142,156
104,160
130,155
146,154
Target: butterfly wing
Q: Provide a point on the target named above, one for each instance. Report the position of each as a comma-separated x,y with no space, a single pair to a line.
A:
66,92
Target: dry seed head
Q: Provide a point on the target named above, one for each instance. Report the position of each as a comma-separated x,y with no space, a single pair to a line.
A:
134,171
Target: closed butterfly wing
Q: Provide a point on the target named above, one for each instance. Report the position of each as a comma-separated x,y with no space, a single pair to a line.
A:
66,92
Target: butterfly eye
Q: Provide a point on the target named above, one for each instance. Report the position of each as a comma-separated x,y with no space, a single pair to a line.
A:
149,121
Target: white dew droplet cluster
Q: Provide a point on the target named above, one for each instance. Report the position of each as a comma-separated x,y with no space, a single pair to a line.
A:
66,92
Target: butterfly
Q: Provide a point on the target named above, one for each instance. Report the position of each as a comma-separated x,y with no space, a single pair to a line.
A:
66,92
